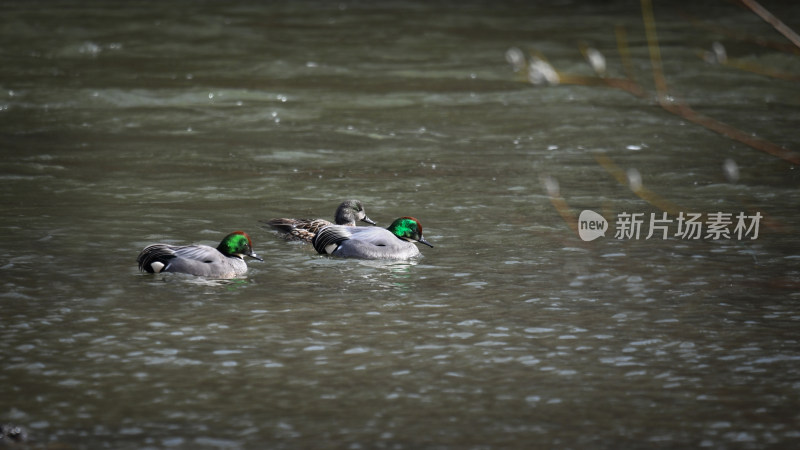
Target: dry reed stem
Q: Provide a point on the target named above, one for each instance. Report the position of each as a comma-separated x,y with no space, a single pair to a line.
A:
565,212
757,69
655,50
739,36
624,52
774,21
678,108
642,192
683,110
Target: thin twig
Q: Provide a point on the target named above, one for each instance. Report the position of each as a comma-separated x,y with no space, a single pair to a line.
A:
554,192
655,51
740,35
624,51
774,21
726,130
640,191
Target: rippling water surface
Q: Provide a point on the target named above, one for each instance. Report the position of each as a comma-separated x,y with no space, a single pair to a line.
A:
181,122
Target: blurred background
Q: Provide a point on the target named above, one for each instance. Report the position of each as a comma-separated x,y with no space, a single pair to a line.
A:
493,123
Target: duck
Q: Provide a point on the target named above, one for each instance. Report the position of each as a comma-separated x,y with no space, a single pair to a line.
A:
347,214
225,261
394,242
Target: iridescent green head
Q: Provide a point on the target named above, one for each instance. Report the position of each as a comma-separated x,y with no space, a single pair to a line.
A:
350,212
237,244
409,229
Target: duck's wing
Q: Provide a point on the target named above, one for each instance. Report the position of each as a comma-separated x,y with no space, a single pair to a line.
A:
199,253
328,239
156,258
204,261
376,236
177,258
196,259
298,229
314,226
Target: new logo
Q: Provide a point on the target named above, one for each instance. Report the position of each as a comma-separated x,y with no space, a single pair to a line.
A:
591,225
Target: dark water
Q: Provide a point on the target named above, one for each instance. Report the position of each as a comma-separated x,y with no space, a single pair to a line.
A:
143,122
